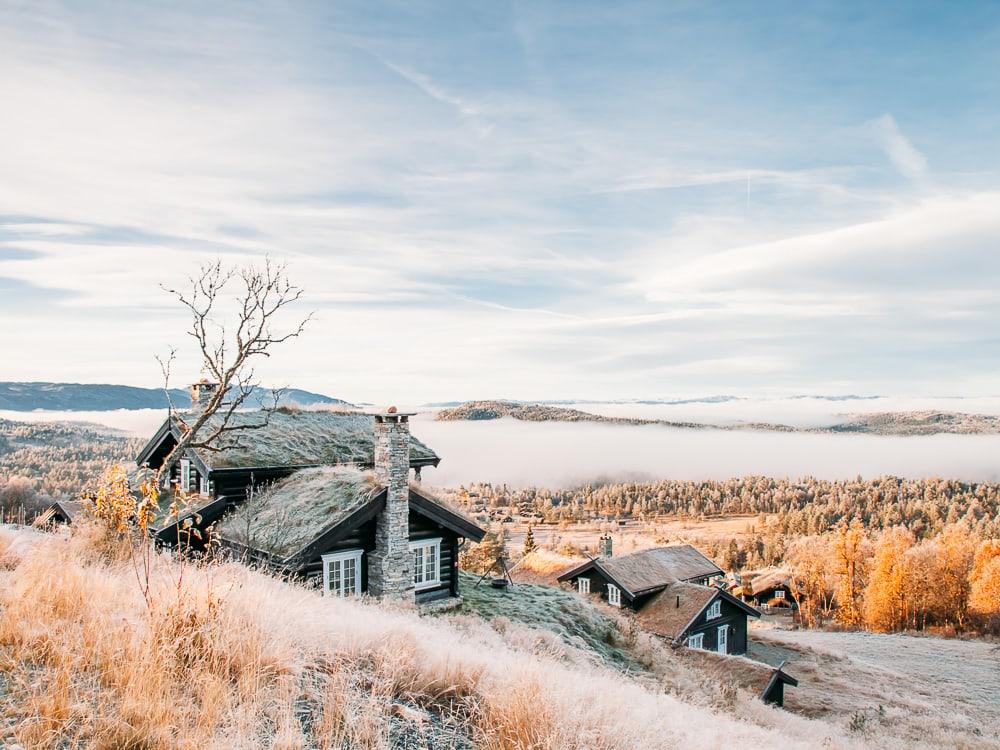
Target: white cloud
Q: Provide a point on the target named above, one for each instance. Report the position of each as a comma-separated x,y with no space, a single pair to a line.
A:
904,155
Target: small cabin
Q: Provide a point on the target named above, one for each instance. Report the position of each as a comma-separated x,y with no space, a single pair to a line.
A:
674,593
768,590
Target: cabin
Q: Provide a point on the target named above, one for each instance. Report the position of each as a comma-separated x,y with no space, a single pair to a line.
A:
764,681
322,496
673,593
60,513
769,590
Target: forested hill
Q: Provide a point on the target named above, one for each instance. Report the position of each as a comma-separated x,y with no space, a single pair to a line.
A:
880,423
99,397
480,410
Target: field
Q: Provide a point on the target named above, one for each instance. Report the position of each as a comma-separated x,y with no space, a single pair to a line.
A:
957,682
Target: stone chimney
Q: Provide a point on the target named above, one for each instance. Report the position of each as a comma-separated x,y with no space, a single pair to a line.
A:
201,393
605,546
390,565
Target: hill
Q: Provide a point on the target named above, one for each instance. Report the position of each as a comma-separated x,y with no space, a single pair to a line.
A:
100,397
221,656
880,423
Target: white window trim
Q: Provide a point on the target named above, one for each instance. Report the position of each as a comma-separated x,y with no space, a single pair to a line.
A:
203,488
583,585
436,581
722,640
185,475
614,595
696,641
356,555
714,610
779,593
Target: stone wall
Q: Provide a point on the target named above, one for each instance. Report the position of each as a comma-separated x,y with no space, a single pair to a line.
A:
390,565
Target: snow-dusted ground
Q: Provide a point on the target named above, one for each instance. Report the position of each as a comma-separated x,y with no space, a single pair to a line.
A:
947,683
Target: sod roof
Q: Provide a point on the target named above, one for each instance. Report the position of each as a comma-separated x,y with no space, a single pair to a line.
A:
291,513
297,437
651,569
668,613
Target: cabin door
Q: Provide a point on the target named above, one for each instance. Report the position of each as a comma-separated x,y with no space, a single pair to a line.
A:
723,639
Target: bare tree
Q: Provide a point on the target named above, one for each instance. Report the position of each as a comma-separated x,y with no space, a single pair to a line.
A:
229,342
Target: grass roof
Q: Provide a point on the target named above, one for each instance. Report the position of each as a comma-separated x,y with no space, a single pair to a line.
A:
298,437
283,518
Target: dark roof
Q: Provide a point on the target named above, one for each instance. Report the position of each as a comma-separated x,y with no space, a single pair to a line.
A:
290,438
313,507
68,509
670,612
652,569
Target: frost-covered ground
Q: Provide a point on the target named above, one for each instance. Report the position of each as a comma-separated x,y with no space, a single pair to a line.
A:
923,684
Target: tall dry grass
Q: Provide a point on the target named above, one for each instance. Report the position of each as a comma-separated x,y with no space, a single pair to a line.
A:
224,657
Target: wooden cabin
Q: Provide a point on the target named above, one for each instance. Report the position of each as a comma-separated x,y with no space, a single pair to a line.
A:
321,495
673,593
764,681
61,512
770,589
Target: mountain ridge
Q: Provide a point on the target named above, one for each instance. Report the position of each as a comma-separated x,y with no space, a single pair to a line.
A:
32,396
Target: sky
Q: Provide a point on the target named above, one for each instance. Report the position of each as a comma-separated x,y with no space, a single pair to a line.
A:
523,200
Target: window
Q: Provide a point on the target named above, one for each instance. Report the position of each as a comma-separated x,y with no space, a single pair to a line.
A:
696,640
614,595
714,611
723,640
779,593
203,487
426,563
583,585
185,475
342,573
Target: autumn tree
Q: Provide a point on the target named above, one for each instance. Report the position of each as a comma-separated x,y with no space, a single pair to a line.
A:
984,589
811,561
956,549
886,597
849,568
484,555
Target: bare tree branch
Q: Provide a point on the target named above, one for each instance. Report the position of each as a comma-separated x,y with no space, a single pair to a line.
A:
261,294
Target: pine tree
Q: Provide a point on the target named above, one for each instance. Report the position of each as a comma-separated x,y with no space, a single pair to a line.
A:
529,541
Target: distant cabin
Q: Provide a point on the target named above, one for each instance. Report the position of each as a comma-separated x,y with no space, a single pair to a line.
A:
671,590
61,512
325,496
769,590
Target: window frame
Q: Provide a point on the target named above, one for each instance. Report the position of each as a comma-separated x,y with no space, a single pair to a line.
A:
696,640
779,593
185,475
614,595
352,554
583,585
423,544
722,639
714,610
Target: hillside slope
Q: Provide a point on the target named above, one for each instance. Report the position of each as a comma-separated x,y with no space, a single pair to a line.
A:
100,397
224,657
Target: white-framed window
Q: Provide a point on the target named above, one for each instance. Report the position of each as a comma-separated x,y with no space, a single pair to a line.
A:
722,641
779,593
583,585
714,611
614,595
342,573
185,475
426,563
203,486
696,640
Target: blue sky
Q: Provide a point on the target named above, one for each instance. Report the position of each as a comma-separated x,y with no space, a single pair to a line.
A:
535,200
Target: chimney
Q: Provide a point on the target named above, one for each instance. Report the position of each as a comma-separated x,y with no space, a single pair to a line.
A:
605,546
201,393
390,565
678,604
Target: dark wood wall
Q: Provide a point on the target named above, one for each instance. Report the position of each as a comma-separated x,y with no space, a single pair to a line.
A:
732,616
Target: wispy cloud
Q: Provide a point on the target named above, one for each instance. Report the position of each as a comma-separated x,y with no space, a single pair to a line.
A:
477,203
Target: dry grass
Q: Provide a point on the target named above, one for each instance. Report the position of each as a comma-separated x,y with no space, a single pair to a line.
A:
543,565
226,657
